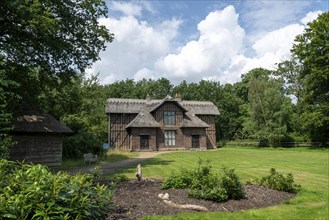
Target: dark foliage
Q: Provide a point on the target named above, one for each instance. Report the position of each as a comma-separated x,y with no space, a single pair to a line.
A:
33,192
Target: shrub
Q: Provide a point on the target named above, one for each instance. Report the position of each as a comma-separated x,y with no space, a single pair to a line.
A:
277,181
180,180
119,178
216,194
203,183
33,192
231,183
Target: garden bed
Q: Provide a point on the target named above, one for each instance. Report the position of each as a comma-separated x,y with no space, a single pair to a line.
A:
135,199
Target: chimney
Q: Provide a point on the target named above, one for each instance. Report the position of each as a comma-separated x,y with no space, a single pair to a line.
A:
148,99
178,97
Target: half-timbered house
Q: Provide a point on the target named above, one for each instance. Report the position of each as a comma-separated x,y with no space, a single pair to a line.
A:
168,124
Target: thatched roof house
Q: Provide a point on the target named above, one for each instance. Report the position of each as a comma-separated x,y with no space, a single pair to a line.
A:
170,123
38,138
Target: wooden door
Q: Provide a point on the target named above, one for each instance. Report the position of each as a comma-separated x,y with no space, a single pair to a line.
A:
195,141
144,141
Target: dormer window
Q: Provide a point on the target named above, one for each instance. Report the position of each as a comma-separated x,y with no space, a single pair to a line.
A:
169,118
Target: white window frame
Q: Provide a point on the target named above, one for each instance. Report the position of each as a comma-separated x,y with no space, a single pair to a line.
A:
169,118
170,138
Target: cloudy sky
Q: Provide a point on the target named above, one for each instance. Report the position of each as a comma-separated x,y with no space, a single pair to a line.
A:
195,40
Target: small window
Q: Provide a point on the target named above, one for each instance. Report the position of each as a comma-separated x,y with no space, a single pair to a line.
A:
169,118
169,138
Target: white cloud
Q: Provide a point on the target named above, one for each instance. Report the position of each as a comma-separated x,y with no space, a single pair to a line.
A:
220,38
310,17
271,48
136,46
141,50
144,73
126,8
278,42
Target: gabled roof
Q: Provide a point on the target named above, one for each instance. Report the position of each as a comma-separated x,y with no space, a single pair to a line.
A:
143,119
193,121
135,106
32,121
168,98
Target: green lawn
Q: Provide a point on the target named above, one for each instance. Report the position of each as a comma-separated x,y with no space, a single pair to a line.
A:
111,156
310,168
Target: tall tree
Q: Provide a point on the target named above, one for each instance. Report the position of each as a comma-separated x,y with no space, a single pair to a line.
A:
311,49
6,98
45,43
267,110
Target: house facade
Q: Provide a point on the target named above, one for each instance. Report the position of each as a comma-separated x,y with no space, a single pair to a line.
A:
167,124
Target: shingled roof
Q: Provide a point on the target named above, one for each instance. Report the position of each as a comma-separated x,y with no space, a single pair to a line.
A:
114,105
192,121
32,121
143,120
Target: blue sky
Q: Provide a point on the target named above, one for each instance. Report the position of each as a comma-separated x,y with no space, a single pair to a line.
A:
195,40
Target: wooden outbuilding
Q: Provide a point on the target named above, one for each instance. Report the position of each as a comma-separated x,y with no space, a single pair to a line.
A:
167,124
38,138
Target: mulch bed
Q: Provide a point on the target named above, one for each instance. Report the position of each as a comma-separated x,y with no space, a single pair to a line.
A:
135,199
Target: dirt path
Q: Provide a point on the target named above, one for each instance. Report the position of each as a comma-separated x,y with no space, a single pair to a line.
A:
109,168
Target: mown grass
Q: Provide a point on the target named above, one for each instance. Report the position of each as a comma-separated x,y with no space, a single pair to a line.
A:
310,169
116,155
110,156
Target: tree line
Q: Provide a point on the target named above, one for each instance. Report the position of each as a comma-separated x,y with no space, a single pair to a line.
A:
43,58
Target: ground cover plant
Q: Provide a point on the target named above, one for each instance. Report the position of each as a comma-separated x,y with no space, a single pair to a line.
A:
309,167
33,192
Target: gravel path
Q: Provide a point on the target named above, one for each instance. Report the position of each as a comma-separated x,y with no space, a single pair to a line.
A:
109,168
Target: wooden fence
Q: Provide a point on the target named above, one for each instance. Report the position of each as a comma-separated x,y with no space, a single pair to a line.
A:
283,144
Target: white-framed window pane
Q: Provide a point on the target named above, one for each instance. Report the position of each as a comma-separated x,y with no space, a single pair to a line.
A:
169,118
169,138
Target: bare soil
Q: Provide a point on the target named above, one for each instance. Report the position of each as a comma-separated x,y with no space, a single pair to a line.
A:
134,199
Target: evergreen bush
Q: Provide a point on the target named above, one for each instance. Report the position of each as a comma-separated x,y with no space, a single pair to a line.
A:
180,180
33,192
278,181
231,183
203,183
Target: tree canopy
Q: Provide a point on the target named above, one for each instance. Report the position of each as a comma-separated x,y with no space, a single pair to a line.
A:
311,51
43,46
57,36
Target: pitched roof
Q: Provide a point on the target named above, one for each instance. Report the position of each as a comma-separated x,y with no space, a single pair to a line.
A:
193,121
143,119
114,105
32,121
201,107
168,98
